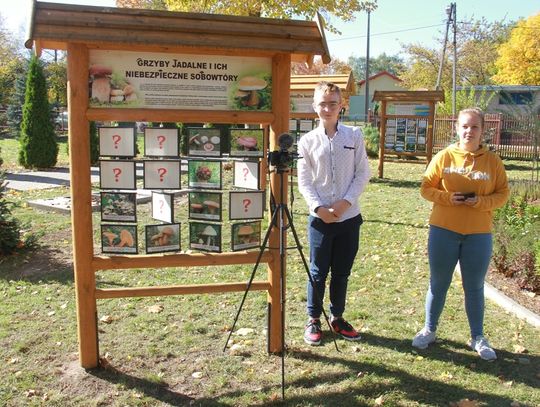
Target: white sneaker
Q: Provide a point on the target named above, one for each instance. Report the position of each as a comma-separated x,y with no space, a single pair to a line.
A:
483,348
423,338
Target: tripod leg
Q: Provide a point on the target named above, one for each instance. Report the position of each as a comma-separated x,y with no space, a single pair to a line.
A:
261,251
310,277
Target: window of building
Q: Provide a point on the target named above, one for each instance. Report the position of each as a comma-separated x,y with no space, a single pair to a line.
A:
515,98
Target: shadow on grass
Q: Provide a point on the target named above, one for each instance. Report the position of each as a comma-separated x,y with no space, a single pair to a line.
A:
412,225
518,167
145,386
377,380
396,183
42,265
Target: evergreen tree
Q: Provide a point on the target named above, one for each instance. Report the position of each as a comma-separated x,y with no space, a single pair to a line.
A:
38,147
16,101
9,226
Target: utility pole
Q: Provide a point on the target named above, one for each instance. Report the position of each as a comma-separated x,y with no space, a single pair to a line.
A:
454,31
366,102
441,62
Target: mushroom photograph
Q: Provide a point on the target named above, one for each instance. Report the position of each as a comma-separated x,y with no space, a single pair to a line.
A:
162,238
108,87
245,235
204,174
119,239
205,236
204,142
118,206
253,92
205,205
246,142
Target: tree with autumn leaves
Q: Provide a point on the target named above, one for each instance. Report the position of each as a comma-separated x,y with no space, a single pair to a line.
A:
519,58
341,9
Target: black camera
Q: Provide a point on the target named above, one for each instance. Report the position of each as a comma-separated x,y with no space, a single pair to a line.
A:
282,158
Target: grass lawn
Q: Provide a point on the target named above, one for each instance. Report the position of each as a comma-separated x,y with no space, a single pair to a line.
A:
171,355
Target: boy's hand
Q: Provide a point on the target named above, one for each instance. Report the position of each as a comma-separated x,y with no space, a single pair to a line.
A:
327,215
339,207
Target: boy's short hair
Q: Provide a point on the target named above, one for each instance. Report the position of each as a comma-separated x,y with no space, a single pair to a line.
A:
327,87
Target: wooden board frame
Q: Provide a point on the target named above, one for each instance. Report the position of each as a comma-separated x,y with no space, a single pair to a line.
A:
291,40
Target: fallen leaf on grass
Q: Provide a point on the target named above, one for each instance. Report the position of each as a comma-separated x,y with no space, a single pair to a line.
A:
520,349
155,309
379,401
31,393
515,404
244,331
106,319
508,383
197,375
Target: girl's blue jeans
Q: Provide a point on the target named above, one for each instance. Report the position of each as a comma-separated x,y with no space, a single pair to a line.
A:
332,248
445,249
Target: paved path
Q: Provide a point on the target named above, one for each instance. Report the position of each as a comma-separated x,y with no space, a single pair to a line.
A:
52,178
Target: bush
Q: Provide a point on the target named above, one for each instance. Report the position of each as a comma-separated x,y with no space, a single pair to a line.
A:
38,144
517,227
371,139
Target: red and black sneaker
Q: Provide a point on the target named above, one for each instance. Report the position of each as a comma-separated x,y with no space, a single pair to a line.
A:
344,329
313,332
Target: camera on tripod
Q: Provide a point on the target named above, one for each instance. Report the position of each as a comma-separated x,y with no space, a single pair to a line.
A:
282,158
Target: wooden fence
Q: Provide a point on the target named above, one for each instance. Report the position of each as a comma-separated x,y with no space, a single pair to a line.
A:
514,137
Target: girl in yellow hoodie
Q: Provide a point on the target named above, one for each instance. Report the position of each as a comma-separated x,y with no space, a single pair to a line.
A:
465,182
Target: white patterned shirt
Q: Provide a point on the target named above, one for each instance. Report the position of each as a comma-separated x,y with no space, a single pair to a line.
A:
333,169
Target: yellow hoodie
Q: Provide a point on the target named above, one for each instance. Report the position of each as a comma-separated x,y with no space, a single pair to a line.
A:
457,170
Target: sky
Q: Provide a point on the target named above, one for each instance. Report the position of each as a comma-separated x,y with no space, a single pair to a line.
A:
393,23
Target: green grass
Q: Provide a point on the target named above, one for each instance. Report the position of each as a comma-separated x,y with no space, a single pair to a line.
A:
153,357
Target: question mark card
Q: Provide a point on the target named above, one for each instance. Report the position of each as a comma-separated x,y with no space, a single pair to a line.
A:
163,207
161,174
246,205
246,174
159,142
117,174
117,141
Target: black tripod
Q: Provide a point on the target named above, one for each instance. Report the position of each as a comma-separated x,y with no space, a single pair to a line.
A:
281,217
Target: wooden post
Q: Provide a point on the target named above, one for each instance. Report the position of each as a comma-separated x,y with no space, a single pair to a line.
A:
281,66
429,132
81,204
382,136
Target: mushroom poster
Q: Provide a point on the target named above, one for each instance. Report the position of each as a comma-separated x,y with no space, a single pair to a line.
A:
204,142
119,206
119,239
245,235
247,142
163,238
204,174
129,79
205,205
205,236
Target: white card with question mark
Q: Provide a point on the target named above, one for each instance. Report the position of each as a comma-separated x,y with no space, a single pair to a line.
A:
117,141
246,205
162,207
246,174
117,174
161,174
160,142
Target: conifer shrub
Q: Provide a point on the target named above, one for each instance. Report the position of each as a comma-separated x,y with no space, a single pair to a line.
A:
38,147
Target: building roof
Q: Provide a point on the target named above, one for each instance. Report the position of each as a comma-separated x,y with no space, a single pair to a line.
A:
409,95
308,82
381,73
54,25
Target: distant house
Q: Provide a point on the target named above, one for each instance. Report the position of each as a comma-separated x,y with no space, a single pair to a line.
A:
302,87
383,80
510,98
